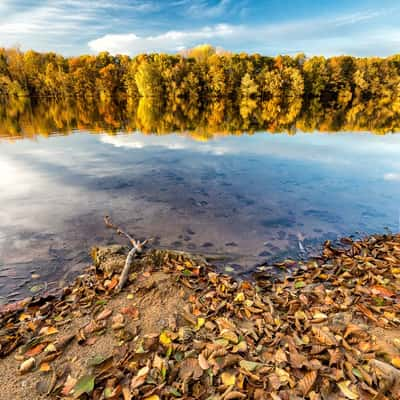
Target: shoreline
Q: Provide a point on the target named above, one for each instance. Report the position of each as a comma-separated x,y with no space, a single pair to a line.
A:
181,330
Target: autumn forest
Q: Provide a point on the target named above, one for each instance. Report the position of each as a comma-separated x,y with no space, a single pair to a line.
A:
203,87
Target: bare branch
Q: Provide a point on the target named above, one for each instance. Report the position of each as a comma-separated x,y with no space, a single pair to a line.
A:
137,248
111,225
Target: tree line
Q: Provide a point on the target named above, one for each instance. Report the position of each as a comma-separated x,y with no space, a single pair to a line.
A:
200,74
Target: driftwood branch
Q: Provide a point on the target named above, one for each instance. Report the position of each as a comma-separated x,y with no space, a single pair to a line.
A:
137,248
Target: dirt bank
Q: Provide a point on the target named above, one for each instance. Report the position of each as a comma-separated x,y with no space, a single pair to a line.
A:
330,330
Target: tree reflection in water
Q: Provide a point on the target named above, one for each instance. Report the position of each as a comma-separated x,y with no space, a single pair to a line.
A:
24,118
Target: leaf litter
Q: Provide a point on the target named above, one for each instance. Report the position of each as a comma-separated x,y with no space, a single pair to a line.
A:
328,329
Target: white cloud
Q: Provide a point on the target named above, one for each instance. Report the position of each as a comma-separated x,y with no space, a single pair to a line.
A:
117,142
392,176
170,41
170,142
47,23
337,149
54,24
76,26
328,36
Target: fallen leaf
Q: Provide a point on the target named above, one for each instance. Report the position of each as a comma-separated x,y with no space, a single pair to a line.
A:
113,283
306,383
24,316
280,356
228,379
396,361
230,336
367,312
164,338
348,393
37,288
68,385
50,348
97,360
249,365
240,297
382,291
83,385
44,367
132,311
104,314
140,378
199,324
190,368
48,330
241,347
324,336
203,362
234,396
34,351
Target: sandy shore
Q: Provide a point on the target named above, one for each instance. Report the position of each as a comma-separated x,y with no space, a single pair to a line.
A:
329,328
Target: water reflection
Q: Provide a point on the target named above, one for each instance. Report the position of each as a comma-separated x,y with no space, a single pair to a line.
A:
21,117
246,198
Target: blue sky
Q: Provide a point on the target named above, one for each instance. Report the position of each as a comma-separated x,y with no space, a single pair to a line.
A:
70,27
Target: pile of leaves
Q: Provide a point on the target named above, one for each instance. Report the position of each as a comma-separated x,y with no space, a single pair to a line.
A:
330,329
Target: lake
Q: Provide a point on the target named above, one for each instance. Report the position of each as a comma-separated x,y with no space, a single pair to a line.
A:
246,198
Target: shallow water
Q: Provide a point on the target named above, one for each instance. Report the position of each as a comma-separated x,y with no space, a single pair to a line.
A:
248,198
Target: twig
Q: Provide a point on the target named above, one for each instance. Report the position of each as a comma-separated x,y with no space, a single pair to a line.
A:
137,248
120,232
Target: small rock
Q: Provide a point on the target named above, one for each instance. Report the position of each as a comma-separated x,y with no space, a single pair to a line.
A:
27,365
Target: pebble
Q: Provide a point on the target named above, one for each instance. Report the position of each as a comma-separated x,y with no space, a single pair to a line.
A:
27,365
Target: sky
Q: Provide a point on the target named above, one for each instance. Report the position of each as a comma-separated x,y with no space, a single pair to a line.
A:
269,27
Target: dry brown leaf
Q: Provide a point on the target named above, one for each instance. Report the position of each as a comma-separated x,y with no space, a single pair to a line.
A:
352,329
367,312
324,336
230,336
235,395
48,330
68,385
280,356
225,323
140,378
306,383
104,314
44,367
132,311
34,351
190,368
203,362
349,393
382,291
335,356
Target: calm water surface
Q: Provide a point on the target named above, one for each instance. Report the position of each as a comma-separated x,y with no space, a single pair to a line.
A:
248,198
